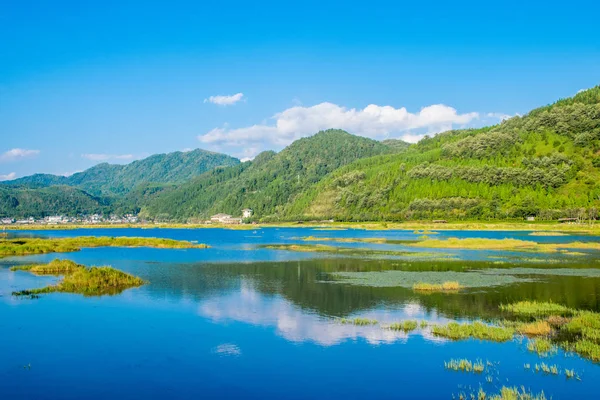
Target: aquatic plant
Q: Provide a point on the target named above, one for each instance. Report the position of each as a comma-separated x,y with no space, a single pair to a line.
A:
405,326
465,365
321,248
588,349
541,346
477,330
536,328
536,309
436,287
359,321
24,246
54,267
506,393
93,281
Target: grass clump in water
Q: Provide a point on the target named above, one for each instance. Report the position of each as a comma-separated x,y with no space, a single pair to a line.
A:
534,309
476,330
437,287
25,246
506,393
465,365
55,267
541,346
359,321
536,328
405,326
93,281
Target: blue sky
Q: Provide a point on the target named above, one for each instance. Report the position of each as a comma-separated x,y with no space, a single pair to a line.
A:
119,80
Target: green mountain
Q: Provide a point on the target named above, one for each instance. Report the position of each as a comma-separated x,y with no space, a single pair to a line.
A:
64,200
267,183
545,164
110,179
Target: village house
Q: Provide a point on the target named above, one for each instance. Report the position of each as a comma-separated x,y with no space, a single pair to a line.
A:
219,218
7,221
247,213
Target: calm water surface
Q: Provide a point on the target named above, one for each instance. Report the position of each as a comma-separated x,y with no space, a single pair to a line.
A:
240,321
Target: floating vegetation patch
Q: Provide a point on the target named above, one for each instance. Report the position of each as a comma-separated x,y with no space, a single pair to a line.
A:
503,244
548,233
405,326
55,267
536,309
356,240
447,286
408,279
359,321
583,272
475,330
93,281
320,248
25,246
547,369
465,365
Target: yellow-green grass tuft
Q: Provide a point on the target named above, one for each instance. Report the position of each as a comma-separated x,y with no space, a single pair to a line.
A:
55,267
476,330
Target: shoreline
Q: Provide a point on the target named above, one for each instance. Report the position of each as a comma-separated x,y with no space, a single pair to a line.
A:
450,226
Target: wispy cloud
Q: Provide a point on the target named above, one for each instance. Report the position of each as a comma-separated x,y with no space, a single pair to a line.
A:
225,100
374,121
108,157
8,177
17,154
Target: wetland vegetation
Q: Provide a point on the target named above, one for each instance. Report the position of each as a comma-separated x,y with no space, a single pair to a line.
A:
25,246
92,281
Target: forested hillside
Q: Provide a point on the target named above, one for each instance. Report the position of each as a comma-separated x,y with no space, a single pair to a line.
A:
111,179
266,184
544,164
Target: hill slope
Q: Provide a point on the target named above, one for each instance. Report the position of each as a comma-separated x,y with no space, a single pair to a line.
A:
545,164
110,179
267,183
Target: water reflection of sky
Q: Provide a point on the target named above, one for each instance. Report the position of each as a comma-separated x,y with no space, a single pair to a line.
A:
291,322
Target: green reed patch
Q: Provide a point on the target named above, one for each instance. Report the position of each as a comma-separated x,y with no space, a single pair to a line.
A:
25,246
408,279
465,365
359,321
583,272
447,286
351,251
93,281
55,267
536,309
541,346
475,330
405,326
506,393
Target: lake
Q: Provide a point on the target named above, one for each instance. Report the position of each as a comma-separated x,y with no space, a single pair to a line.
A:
241,320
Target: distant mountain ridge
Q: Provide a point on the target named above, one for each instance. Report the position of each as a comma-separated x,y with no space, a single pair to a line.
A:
115,179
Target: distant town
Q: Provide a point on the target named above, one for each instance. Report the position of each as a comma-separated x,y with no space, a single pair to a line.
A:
220,218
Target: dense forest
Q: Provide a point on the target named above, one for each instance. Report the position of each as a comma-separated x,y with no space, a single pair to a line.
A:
545,164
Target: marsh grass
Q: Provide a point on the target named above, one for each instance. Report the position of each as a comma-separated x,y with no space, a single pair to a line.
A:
476,330
25,246
506,393
503,244
55,267
533,309
321,248
359,321
449,286
93,281
465,365
536,328
405,326
541,346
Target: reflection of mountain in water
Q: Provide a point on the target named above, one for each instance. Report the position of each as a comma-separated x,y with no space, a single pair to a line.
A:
304,284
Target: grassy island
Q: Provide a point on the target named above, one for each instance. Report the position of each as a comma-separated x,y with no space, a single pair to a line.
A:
26,246
92,281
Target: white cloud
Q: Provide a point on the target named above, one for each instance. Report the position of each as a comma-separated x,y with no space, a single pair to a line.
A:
107,157
225,100
8,177
16,154
500,116
377,122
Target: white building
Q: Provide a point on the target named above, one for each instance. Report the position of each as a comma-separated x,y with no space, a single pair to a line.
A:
220,217
247,213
